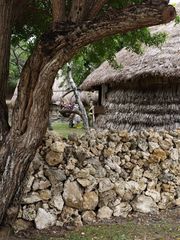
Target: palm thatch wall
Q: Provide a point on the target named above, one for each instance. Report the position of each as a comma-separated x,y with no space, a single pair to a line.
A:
134,109
146,91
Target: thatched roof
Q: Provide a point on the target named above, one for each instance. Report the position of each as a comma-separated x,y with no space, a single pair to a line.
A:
161,64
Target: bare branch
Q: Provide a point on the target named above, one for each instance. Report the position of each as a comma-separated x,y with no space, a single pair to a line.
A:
58,9
16,61
62,111
70,91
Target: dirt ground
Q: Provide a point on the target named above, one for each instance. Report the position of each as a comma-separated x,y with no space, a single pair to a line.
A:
165,226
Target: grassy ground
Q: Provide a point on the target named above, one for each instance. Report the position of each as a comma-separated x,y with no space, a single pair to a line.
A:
127,231
64,130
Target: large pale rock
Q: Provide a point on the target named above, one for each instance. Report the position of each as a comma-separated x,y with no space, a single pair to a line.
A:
58,202
133,187
177,202
78,221
89,217
31,198
174,154
144,204
105,213
107,198
71,163
167,177
142,144
90,200
29,212
84,182
43,184
177,143
114,137
40,184
155,195
157,155
137,173
100,172
83,173
105,185
120,187
166,200
56,178
54,158
45,194
81,154
114,166
108,152
153,145
166,144
44,219
122,209
73,195
149,174
69,215
142,184
58,146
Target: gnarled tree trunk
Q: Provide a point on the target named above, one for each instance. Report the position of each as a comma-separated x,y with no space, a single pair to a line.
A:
30,116
5,37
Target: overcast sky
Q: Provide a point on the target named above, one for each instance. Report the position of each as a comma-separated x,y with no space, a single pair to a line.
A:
174,1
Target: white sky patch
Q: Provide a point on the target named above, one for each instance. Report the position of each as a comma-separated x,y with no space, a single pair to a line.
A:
174,1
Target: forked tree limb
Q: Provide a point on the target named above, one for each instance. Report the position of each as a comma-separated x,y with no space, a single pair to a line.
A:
58,10
78,10
113,22
77,97
96,8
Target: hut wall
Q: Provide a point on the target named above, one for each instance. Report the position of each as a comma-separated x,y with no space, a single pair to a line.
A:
136,109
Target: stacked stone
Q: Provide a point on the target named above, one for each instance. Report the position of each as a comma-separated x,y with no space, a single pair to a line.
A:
102,175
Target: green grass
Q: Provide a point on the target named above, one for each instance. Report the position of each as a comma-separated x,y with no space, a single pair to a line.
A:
62,129
125,231
128,231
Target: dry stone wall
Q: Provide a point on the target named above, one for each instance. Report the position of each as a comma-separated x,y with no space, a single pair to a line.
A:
102,175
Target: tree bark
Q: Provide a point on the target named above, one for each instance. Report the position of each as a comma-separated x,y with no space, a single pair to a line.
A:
58,9
5,37
78,98
30,116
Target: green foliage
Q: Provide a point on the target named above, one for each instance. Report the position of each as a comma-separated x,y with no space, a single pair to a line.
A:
90,57
177,20
37,19
62,129
18,57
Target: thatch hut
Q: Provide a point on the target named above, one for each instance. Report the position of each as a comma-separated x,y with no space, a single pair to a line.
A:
145,93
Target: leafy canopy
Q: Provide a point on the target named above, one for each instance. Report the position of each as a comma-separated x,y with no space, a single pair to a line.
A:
37,18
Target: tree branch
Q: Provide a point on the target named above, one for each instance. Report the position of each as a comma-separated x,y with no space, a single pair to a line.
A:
58,10
78,10
97,7
62,111
71,37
